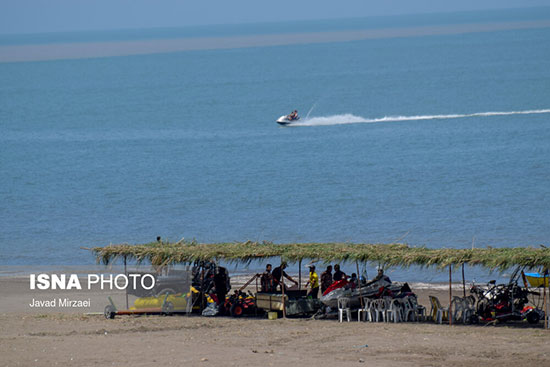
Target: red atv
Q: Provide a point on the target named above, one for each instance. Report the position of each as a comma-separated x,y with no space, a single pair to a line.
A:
240,303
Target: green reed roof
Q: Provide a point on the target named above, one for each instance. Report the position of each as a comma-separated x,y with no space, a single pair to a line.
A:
386,254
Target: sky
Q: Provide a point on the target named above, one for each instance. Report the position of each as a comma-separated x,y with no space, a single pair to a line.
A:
39,16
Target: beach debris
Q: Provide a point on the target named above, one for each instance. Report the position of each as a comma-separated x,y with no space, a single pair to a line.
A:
361,360
361,346
204,359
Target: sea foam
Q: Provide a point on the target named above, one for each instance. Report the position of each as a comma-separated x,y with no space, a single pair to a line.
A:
349,118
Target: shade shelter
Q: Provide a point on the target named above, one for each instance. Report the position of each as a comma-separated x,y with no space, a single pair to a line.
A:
163,253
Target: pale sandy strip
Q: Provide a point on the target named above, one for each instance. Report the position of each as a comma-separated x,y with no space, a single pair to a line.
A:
125,48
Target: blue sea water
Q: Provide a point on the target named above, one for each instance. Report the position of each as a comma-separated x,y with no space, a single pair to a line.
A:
122,149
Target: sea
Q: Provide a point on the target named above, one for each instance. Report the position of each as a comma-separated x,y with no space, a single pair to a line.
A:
438,140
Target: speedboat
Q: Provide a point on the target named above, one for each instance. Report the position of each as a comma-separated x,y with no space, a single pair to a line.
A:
537,279
286,120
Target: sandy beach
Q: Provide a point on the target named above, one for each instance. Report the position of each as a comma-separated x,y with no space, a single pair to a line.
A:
61,337
71,339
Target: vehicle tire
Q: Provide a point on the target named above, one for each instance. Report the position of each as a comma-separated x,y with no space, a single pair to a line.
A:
109,312
533,317
236,310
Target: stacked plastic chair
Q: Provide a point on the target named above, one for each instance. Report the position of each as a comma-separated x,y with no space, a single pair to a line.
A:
393,310
419,311
408,312
380,309
463,308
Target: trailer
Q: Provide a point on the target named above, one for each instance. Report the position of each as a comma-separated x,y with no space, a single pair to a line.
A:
296,303
166,304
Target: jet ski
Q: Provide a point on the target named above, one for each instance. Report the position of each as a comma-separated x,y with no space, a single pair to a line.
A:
286,120
342,289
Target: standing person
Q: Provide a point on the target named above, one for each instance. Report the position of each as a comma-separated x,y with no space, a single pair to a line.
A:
278,273
222,284
338,274
326,279
266,280
314,282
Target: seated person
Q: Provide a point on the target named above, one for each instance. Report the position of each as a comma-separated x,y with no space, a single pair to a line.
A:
353,280
379,276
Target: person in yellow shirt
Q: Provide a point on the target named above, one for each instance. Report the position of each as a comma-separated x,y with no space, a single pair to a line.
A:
313,282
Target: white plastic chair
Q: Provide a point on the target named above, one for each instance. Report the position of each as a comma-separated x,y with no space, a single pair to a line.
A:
463,306
379,309
372,311
364,312
419,311
393,310
457,308
438,311
469,309
408,312
343,306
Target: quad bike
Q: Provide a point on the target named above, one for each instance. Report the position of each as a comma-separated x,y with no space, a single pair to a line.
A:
505,302
240,303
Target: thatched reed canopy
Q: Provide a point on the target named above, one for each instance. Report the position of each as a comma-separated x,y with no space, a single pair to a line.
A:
386,254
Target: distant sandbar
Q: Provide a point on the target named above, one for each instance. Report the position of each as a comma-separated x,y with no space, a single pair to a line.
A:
59,51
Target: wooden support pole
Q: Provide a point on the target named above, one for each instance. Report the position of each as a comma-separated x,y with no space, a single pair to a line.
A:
359,284
283,289
300,274
450,313
545,301
545,305
126,290
463,282
202,287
